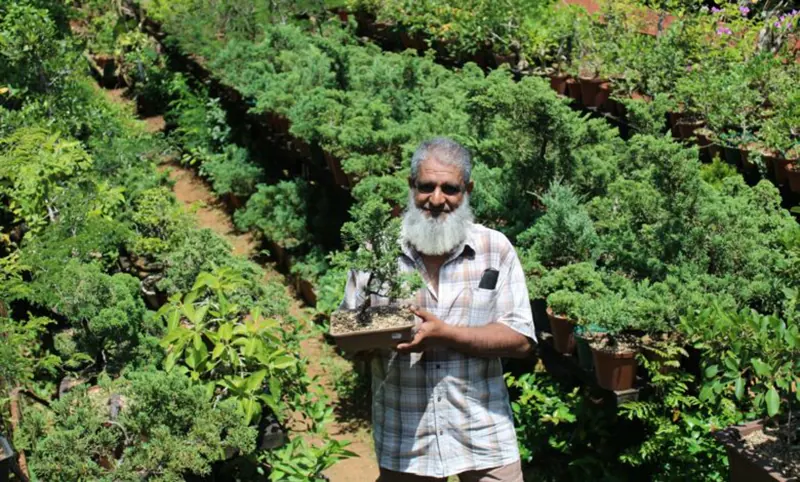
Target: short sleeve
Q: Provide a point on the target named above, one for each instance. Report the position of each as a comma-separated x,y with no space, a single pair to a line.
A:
513,302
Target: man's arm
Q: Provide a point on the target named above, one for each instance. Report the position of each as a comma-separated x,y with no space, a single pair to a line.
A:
492,340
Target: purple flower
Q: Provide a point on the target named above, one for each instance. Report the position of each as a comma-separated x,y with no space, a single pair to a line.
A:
723,31
715,10
744,10
777,25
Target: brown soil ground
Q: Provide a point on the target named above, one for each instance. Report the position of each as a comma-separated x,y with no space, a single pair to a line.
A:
191,190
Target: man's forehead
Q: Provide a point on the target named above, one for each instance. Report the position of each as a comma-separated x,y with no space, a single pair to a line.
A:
434,167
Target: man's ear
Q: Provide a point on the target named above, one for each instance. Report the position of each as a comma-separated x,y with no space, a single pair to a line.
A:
470,185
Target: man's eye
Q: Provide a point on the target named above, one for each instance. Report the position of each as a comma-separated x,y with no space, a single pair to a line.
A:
426,188
450,189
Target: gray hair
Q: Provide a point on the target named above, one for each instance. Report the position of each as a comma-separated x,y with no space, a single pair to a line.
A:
447,151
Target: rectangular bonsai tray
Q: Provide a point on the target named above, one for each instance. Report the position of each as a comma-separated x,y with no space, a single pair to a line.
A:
357,341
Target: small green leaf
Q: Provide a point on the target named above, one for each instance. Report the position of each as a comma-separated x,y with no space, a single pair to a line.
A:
711,371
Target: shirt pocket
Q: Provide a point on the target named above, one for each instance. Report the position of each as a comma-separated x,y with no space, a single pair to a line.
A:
482,306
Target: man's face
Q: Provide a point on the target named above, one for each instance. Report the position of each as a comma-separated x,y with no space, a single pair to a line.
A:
439,188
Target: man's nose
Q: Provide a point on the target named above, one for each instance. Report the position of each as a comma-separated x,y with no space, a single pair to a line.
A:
437,198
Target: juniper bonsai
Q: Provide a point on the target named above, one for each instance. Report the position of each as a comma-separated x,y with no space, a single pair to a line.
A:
372,242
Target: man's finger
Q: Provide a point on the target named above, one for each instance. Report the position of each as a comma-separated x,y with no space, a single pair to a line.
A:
425,315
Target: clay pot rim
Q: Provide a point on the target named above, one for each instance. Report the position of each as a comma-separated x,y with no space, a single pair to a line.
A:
626,353
552,314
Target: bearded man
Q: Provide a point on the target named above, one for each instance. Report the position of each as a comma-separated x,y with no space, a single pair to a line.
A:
439,402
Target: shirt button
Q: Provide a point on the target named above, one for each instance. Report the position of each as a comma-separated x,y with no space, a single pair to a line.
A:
439,399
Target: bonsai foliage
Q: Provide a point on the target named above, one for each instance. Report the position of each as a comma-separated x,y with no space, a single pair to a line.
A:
109,324
373,246
565,233
279,212
148,424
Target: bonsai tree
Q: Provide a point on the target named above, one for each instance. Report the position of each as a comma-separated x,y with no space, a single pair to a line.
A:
372,239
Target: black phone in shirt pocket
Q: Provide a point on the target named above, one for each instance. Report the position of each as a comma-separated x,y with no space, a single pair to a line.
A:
489,279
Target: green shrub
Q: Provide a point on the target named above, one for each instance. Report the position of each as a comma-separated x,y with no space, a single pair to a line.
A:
166,429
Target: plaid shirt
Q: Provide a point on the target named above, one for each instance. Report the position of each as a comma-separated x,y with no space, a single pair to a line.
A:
441,412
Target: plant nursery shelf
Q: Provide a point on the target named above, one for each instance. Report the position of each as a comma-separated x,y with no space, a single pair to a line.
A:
566,367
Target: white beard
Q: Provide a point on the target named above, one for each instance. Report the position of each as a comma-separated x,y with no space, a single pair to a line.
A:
436,236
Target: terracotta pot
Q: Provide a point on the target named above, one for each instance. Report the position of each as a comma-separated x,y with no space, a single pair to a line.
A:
412,40
745,467
732,155
704,144
604,97
779,166
744,154
590,87
687,128
769,159
793,176
307,292
558,82
563,330
674,119
574,90
614,371
500,59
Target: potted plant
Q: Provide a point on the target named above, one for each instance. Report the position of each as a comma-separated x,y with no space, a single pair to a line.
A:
752,360
560,312
613,352
380,320
564,289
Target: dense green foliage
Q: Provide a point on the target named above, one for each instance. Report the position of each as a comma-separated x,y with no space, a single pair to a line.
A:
624,237
92,241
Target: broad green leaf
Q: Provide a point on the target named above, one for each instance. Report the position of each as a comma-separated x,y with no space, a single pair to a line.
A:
761,368
255,380
711,371
773,402
282,362
739,387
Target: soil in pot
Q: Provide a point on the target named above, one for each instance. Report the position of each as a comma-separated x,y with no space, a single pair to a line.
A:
375,327
614,363
373,318
563,330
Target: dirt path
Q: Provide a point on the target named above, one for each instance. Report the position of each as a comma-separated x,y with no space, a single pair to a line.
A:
196,196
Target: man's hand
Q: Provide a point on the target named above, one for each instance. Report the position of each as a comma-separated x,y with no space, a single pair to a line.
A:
431,332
